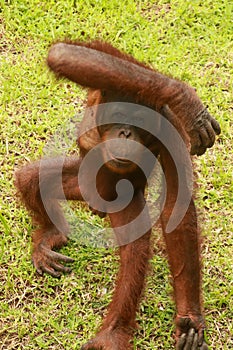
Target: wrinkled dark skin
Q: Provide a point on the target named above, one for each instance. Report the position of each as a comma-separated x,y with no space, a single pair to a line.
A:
46,260
187,334
203,133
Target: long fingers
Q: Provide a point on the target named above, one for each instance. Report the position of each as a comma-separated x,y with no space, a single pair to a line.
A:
48,261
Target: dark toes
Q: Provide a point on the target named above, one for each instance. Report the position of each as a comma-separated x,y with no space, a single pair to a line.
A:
195,342
46,260
59,267
191,341
56,256
51,271
181,342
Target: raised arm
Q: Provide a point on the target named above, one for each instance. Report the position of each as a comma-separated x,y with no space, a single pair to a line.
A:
100,66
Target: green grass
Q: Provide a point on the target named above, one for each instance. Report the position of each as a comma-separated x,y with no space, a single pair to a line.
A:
191,40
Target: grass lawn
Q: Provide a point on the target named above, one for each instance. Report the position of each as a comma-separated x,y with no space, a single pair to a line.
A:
191,40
